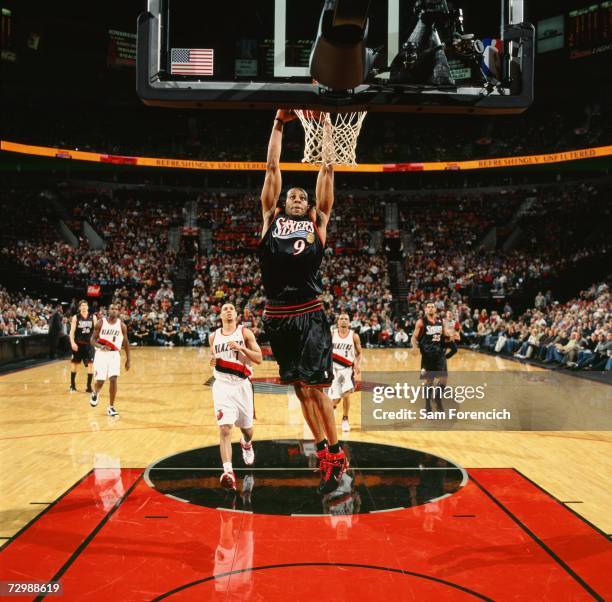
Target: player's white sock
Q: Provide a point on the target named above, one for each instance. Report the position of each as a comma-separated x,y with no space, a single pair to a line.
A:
227,467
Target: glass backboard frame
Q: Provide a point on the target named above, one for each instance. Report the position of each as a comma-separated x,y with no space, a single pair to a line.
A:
156,87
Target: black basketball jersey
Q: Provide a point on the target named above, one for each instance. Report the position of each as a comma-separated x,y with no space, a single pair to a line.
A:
290,256
431,340
84,328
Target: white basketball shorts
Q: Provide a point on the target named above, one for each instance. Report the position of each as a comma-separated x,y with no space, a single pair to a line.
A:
233,402
106,364
342,383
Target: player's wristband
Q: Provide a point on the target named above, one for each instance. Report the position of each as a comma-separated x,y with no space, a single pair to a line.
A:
282,123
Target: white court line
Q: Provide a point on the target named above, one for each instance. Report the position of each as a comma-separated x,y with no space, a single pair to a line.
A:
437,499
387,510
178,499
233,510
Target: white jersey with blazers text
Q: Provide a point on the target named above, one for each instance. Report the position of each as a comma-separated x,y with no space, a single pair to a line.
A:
228,366
232,390
343,352
111,335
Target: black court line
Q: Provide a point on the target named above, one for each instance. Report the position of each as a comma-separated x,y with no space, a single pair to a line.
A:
30,523
40,503
90,537
572,502
545,547
156,517
332,564
556,499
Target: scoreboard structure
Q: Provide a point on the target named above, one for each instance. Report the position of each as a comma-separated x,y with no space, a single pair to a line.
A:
589,30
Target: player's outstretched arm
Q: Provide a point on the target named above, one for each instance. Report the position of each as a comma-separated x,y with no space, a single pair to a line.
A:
325,190
325,179
273,181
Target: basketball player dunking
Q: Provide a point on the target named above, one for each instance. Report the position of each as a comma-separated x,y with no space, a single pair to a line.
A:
347,367
290,254
81,327
233,350
109,337
429,338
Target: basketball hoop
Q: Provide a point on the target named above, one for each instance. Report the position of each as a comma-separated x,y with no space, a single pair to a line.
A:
330,140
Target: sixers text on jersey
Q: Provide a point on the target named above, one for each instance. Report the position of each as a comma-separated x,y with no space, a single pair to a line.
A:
290,256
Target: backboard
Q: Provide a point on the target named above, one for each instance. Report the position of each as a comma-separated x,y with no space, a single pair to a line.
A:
255,55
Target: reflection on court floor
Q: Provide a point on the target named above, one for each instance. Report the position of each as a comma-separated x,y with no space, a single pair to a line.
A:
284,481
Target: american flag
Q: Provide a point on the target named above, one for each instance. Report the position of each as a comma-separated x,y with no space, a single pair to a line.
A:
192,61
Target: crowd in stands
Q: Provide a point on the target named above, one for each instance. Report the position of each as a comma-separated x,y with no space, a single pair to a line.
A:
449,139
33,222
23,315
134,259
576,334
443,259
138,266
557,226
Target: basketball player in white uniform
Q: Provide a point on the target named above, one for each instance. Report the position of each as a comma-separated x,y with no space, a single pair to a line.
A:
109,337
346,355
233,351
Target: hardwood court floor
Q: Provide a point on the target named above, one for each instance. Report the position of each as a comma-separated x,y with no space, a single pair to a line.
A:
50,439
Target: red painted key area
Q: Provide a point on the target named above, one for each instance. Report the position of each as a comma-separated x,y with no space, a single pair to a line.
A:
501,537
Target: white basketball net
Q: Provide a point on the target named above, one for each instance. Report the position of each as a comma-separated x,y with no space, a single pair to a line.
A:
330,140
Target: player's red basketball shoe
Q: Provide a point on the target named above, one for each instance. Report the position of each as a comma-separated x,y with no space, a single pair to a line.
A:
320,456
228,480
332,469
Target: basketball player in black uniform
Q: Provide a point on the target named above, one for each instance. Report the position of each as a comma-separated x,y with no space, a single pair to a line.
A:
81,327
430,337
290,254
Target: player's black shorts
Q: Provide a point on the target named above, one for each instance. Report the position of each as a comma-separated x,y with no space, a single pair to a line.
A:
301,342
433,364
84,353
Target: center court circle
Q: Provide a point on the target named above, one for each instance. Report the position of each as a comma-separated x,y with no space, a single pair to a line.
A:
283,480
